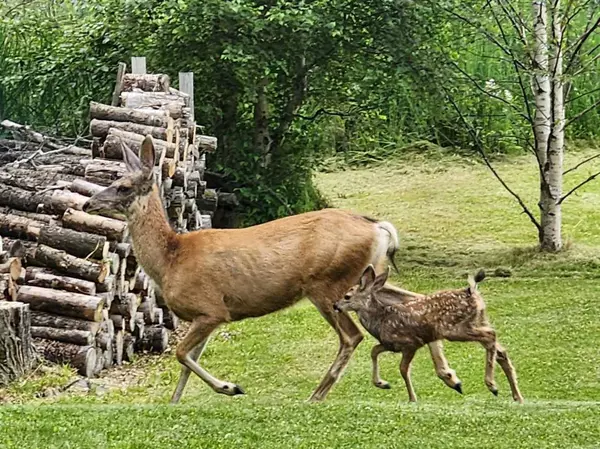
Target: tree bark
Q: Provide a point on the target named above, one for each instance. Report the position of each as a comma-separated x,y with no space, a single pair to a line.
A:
140,325
60,200
42,218
100,128
99,361
542,126
112,148
141,117
60,302
33,180
12,267
79,244
125,306
147,309
16,352
128,347
155,339
65,263
19,227
170,320
21,199
82,358
122,249
104,172
77,337
551,189
108,285
44,319
112,229
147,83
85,188
43,277
206,143
117,347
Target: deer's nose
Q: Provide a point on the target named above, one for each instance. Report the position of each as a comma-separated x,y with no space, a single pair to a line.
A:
86,206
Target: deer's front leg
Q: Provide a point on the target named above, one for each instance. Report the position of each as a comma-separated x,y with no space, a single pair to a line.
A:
190,347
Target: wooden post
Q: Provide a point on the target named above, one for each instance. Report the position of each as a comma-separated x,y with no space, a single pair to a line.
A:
186,85
117,92
138,65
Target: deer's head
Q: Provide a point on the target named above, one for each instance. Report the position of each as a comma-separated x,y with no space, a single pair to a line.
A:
360,296
130,194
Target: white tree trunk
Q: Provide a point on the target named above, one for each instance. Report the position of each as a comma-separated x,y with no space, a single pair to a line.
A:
551,212
548,143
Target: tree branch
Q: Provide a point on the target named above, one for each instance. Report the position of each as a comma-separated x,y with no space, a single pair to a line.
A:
490,94
479,147
579,43
585,161
582,113
585,94
578,186
486,33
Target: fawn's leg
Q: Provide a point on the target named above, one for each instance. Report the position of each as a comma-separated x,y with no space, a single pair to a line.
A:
487,337
407,356
442,369
378,381
509,371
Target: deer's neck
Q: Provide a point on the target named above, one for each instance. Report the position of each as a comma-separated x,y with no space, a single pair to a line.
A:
154,242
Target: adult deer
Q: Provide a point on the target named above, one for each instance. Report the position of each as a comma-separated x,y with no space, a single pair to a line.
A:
214,276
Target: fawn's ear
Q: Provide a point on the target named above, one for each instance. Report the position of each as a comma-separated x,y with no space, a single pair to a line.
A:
367,278
147,154
132,162
381,279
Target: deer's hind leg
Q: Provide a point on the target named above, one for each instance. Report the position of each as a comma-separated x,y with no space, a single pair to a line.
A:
349,336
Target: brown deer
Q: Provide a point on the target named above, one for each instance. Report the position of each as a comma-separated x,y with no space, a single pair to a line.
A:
215,276
403,324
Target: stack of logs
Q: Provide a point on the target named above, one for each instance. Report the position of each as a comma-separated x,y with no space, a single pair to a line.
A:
91,304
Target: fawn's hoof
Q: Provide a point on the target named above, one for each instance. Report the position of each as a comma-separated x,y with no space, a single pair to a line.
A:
383,385
458,387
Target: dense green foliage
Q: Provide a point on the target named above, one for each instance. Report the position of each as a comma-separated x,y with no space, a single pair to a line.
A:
358,79
546,316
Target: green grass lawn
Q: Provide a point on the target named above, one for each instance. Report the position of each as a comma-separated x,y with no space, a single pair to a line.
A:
453,218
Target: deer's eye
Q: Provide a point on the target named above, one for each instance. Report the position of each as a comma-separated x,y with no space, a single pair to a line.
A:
123,189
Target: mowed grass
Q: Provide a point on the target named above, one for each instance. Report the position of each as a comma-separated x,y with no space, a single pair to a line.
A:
453,218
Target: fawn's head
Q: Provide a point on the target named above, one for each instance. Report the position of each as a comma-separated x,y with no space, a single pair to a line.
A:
360,296
129,194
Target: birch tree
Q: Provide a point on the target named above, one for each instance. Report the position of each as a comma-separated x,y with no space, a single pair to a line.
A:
548,45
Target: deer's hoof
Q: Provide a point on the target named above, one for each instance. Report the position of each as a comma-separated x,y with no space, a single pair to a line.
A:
231,390
383,385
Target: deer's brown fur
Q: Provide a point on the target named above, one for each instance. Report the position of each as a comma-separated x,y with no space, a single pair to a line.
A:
211,277
404,322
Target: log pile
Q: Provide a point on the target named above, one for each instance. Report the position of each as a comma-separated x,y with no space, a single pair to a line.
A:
91,304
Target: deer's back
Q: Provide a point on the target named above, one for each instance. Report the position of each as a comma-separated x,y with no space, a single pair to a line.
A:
260,269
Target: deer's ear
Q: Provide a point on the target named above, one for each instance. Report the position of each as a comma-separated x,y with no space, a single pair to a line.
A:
147,153
368,277
132,162
381,279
